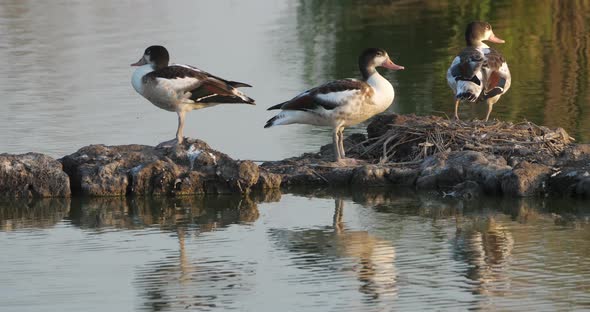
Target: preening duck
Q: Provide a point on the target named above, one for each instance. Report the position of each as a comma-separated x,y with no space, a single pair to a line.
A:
479,72
342,103
181,88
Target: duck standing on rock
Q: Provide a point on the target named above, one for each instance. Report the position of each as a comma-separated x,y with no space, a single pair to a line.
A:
479,72
342,103
181,88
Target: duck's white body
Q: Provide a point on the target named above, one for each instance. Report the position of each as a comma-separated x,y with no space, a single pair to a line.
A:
350,106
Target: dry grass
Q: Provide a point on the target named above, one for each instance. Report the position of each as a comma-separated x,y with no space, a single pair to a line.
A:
419,137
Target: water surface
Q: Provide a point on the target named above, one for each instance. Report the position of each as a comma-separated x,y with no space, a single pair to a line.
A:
66,79
372,251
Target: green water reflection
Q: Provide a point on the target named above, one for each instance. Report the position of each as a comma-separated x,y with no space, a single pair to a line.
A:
547,49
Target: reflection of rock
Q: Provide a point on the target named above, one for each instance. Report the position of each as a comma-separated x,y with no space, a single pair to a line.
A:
208,212
467,190
267,196
191,168
336,251
32,175
36,213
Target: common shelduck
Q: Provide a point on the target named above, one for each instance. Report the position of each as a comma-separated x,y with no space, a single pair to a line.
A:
342,103
181,88
479,72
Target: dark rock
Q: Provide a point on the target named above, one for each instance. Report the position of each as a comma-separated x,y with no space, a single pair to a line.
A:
239,175
373,175
310,170
571,174
445,170
575,153
100,170
570,181
268,181
526,179
380,124
32,175
190,168
189,183
155,178
583,188
383,174
403,176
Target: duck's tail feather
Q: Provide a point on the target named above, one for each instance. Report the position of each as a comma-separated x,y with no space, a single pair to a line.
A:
278,106
467,96
467,90
237,84
270,122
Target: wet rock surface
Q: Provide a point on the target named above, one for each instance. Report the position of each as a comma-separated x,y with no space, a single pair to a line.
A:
457,159
532,161
32,175
571,174
526,179
190,168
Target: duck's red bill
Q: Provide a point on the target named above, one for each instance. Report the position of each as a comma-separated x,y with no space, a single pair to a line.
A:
495,39
391,65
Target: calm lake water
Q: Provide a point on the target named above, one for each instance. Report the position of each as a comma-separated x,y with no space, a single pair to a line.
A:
365,251
65,84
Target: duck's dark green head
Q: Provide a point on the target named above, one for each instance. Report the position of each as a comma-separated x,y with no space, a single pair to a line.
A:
155,55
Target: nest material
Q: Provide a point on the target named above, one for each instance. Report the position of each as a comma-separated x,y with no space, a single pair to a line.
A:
419,137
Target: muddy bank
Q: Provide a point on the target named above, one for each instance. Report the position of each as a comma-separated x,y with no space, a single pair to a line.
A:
460,159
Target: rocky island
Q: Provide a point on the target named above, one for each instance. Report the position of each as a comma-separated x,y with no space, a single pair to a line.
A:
454,158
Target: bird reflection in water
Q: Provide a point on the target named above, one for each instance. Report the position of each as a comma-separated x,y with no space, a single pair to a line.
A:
336,253
200,279
375,269
485,245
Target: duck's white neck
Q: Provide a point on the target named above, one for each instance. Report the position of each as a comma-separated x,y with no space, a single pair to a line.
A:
480,45
136,79
383,90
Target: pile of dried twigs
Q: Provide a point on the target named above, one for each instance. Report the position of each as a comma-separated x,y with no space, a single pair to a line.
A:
418,137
